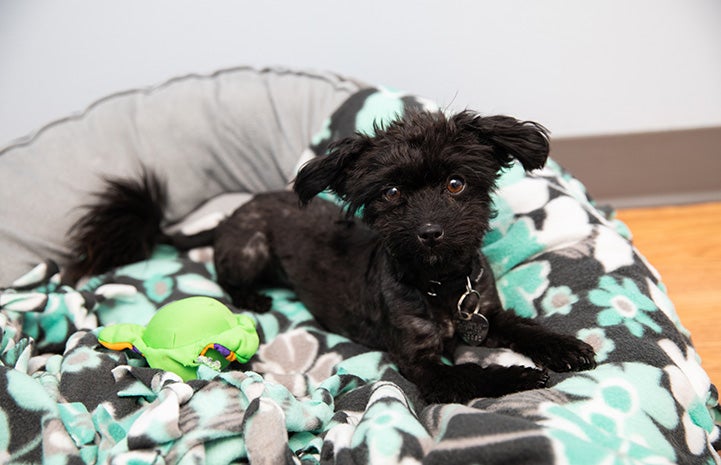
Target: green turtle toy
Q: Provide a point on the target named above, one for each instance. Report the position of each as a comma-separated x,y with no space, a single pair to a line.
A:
185,334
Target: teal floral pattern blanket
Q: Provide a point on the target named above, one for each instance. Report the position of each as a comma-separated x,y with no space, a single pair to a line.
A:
309,396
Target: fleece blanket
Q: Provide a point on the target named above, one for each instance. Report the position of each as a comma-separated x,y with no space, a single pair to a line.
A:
309,396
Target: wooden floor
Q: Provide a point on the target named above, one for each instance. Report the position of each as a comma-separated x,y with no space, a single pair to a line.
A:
684,244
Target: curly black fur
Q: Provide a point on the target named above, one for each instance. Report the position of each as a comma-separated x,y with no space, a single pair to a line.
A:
392,280
121,227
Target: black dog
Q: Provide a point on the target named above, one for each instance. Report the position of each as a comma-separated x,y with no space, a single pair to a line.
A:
408,278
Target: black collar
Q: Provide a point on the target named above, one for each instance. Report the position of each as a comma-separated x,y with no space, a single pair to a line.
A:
435,286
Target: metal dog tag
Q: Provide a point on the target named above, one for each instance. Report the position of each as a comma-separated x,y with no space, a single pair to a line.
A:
473,326
474,330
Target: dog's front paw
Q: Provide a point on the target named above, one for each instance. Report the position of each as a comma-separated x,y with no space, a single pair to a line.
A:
562,353
519,378
467,381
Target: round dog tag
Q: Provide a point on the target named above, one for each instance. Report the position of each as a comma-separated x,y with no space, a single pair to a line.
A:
473,330
472,326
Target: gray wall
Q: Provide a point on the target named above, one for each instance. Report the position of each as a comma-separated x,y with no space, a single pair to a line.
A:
582,68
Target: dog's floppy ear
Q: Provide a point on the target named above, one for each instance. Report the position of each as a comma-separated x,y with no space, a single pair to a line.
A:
525,141
331,170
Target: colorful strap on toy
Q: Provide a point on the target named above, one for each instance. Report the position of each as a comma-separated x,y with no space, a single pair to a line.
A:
222,350
120,346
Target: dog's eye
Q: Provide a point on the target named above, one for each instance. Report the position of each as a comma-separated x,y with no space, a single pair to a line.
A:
392,193
455,185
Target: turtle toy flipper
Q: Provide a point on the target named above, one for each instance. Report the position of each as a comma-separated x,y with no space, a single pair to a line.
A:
184,334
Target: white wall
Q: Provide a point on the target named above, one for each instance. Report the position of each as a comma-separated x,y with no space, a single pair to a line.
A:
579,67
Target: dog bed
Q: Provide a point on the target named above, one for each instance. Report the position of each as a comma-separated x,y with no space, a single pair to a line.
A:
309,396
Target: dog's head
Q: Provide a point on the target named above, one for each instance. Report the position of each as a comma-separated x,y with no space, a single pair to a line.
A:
424,182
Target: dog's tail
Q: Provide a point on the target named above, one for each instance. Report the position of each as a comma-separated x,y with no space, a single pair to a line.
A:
122,226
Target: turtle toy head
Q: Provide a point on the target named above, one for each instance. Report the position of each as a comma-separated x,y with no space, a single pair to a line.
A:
185,334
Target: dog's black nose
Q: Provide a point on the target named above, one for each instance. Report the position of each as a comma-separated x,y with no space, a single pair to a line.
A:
430,233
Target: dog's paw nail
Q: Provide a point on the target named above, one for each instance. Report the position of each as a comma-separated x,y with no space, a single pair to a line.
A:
534,378
543,380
